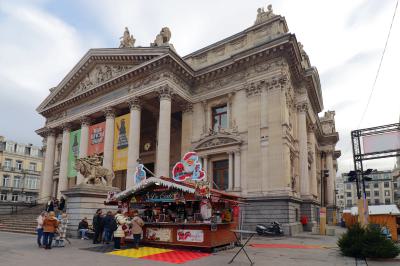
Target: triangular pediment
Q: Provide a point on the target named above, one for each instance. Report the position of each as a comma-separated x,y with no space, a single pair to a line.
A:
96,67
217,139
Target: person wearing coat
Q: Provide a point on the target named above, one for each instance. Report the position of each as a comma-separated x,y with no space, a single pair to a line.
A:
39,228
137,231
61,205
119,233
98,226
50,206
108,220
50,225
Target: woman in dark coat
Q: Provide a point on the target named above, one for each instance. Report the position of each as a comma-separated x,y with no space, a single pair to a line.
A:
98,226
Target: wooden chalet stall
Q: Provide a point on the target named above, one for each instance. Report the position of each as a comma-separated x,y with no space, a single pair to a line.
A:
181,213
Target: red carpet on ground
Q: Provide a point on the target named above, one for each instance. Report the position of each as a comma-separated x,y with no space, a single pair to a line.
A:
284,246
176,256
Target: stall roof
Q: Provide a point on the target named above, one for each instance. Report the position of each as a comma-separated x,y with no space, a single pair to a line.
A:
379,209
166,182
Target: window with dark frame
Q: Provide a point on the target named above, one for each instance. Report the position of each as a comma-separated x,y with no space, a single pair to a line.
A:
220,174
220,117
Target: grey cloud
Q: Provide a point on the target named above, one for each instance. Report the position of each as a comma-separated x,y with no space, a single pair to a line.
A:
366,11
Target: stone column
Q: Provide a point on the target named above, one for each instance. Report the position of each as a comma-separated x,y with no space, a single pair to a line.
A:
303,153
330,183
109,138
83,145
47,179
237,184
186,131
62,176
230,171
133,140
164,132
313,173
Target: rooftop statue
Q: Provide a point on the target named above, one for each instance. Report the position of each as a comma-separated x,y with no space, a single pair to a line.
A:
263,15
91,169
127,40
162,39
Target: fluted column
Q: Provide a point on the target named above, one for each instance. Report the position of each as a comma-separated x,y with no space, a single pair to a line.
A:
330,184
205,167
237,171
47,180
230,171
186,131
83,144
303,153
62,176
164,132
133,140
313,170
109,138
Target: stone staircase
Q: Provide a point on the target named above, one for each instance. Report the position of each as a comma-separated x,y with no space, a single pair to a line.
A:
22,222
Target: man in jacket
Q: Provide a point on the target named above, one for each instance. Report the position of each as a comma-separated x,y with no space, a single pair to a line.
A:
137,224
83,228
98,225
108,220
50,225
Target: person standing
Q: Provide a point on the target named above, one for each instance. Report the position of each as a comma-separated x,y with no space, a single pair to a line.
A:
50,206
108,220
98,226
62,230
83,228
39,228
137,224
61,205
119,233
50,225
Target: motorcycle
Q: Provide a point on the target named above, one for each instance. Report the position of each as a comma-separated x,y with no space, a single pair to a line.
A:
274,229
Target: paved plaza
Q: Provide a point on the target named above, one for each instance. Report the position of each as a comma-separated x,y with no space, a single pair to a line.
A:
304,249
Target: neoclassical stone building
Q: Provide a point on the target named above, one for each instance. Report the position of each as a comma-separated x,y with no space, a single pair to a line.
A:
248,105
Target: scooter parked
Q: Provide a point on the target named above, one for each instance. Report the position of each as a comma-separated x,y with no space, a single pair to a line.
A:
274,229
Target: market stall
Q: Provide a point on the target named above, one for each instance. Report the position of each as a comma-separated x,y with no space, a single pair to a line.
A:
181,213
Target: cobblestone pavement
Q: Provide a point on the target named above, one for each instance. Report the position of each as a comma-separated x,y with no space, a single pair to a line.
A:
21,250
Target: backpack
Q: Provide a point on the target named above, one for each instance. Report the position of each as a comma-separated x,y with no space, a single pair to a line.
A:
113,225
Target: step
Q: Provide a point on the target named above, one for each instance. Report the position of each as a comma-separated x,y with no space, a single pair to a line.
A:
17,231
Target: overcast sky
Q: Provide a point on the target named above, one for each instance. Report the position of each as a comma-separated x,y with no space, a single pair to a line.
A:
42,40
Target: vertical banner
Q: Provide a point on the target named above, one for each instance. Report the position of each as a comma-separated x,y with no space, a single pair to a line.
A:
74,141
121,133
96,138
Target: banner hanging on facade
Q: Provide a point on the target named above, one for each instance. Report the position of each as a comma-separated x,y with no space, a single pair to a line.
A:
121,133
96,139
74,141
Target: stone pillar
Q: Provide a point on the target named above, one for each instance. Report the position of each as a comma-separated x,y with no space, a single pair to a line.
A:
313,173
230,171
133,140
186,131
83,145
237,185
109,138
164,132
47,180
330,184
303,153
62,176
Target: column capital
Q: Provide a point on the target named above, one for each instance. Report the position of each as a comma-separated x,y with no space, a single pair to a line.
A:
66,127
165,92
187,108
302,107
134,103
109,112
230,152
85,121
253,89
237,151
49,132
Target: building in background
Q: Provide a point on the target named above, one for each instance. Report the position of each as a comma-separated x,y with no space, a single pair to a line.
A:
20,171
340,201
379,191
396,181
249,105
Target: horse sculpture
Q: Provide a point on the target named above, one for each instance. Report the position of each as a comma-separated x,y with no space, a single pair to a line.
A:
94,174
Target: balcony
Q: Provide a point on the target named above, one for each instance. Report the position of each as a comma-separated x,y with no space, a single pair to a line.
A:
6,168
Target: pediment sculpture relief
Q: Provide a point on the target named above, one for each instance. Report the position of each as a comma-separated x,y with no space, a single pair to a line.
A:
215,139
100,74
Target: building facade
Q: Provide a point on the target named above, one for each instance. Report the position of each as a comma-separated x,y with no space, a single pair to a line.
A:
20,171
379,191
248,105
